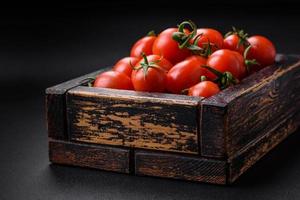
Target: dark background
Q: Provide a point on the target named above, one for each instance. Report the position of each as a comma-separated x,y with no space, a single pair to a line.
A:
45,44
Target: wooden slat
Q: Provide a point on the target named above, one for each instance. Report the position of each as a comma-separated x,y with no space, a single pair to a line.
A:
180,167
134,119
56,108
248,156
92,156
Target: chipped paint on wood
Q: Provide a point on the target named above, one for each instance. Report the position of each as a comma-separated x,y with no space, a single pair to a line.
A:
107,119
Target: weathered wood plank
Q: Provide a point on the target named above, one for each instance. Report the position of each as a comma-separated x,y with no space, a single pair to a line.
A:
180,167
243,111
127,118
56,108
248,156
92,156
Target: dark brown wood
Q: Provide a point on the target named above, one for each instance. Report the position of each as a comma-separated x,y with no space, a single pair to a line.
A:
127,118
92,156
240,114
180,167
248,156
212,131
56,108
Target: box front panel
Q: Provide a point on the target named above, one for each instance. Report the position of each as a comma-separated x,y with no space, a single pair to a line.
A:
100,116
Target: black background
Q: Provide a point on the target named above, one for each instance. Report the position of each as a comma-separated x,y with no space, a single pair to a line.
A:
44,44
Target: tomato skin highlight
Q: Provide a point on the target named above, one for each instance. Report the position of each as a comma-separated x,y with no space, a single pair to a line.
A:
262,50
165,46
113,80
185,74
124,66
210,35
226,60
143,45
155,79
232,43
204,89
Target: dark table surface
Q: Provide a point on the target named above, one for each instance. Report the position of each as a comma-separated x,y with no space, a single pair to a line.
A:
39,50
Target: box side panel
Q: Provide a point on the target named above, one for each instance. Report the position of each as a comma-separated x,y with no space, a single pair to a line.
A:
115,117
92,156
248,156
180,167
264,105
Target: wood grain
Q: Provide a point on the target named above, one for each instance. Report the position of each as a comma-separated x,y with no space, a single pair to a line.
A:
127,118
248,156
92,156
180,167
56,105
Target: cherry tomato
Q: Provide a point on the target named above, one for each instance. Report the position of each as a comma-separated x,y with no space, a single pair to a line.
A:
204,89
226,60
210,35
143,45
114,80
262,50
232,43
150,74
165,46
124,65
185,74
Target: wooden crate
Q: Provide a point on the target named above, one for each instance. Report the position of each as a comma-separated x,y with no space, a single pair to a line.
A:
212,140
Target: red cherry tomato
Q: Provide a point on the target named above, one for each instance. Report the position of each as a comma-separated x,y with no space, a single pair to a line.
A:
185,74
210,35
151,78
262,50
226,60
204,89
124,66
232,43
114,80
165,46
143,45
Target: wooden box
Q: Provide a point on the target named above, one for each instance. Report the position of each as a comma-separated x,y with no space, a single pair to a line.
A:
212,140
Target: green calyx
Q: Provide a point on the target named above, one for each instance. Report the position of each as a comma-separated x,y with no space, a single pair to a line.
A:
249,63
243,36
151,33
89,81
184,40
145,65
224,80
203,78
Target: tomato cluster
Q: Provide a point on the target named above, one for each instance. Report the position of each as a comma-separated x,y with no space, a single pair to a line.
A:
189,60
